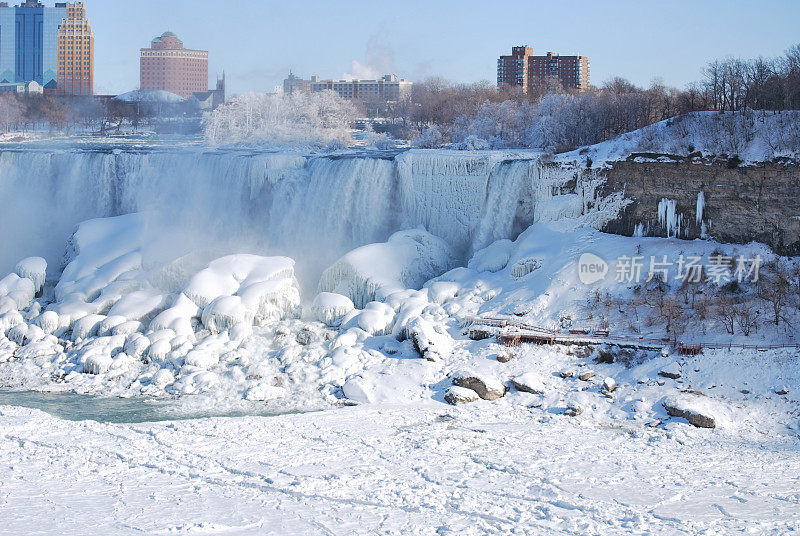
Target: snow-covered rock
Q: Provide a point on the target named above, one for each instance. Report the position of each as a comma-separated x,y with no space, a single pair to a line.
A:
698,410
431,341
98,363
460,395
673,371
330,308
609,385
587,375
33,268
487,387
18,289
530,382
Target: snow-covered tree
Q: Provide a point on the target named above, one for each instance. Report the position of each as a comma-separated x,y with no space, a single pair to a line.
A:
313,119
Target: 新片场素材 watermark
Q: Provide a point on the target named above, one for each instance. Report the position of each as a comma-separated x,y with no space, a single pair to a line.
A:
718,269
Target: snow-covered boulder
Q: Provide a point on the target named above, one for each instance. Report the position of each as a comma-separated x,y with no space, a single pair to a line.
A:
20,290
136,345
163,378
48,321
460,395
372,272
330,308
586,375
529,382
673,371
33,268
178,317
86,327
700,411
9,320
376,318
126,328
487,387
225,312
97,363
38,349
609,385
431,340
105,327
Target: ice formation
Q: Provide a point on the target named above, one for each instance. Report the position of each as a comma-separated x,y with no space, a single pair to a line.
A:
313,208
701,205
669,218
406,260
33,268
330,308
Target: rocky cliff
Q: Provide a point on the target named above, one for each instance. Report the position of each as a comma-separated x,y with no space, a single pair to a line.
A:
691,200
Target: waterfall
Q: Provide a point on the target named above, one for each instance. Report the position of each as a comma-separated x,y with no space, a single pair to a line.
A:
311,207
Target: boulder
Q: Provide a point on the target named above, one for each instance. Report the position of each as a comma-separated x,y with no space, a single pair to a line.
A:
305,337
567,373
488,388
573,409
694,409
505,356
673,371
479,333
529,383
460,395
431,341
586,375
609,385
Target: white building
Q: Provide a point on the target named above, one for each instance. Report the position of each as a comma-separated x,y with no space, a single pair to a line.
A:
23,88
386,88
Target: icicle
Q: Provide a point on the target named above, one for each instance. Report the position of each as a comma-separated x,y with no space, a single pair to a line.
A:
701,205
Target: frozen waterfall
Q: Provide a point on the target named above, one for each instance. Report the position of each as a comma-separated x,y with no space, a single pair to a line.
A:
313,208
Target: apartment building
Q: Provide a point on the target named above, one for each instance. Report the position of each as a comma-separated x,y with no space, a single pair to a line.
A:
530,72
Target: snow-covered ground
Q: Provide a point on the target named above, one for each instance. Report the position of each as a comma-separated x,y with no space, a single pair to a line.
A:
752,136
494,468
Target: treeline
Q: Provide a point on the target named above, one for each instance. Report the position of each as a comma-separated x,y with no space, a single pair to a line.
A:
23,113
759,84
481,115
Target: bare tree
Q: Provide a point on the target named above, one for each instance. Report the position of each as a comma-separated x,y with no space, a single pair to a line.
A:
774,287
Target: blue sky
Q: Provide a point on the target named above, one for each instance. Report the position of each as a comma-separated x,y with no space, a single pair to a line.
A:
258,41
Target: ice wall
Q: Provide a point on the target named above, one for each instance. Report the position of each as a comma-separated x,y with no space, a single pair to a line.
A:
313,208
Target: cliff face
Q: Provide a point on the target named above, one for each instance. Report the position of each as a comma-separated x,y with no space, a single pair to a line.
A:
741,205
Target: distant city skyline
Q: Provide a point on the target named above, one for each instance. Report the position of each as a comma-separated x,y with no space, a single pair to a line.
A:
257,43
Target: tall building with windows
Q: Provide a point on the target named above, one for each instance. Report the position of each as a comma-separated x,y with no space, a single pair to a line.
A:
167,66
75,52
523,69
29,42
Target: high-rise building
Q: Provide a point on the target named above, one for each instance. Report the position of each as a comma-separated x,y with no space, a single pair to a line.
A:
387,88
533,73
75,52
29,42
167,66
